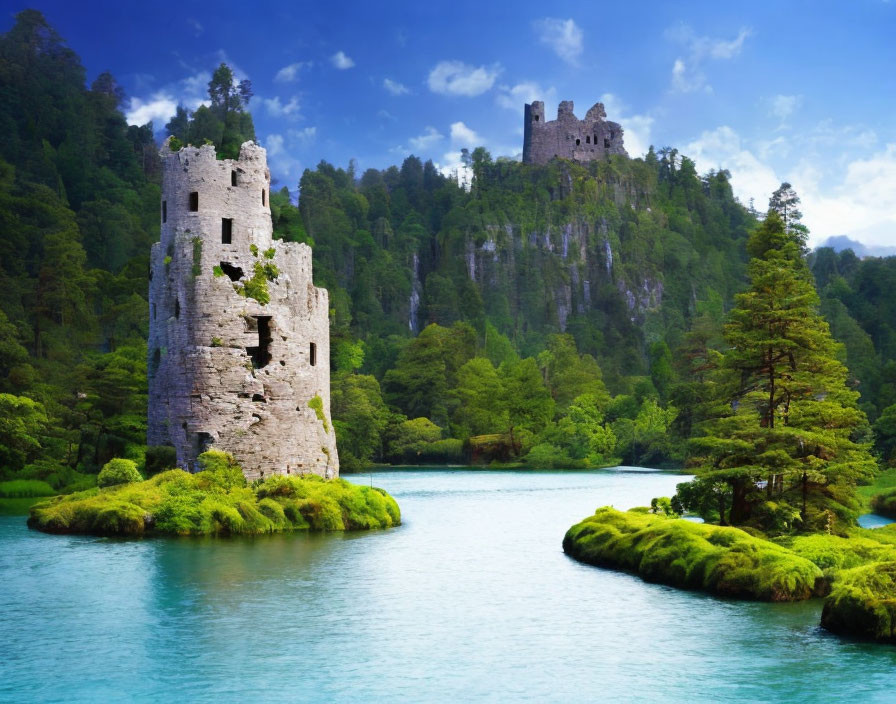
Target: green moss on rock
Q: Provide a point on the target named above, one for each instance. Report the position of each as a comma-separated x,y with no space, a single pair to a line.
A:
863,603
720,560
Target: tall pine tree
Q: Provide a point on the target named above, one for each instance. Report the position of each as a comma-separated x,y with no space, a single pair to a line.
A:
782,448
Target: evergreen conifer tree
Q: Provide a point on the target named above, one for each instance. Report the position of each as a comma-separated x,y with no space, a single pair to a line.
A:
782,446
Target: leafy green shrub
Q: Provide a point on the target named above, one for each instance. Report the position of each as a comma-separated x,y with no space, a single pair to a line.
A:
118,471
681,553
175,145
220,469
863,603
217,271
257,286
25,488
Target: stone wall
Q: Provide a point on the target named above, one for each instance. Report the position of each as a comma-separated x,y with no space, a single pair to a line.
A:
567,137
225,370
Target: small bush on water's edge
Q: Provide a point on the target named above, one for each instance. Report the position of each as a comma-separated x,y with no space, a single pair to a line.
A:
884,503
216,501
720,560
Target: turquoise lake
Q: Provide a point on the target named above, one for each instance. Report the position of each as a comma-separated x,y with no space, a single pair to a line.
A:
471,599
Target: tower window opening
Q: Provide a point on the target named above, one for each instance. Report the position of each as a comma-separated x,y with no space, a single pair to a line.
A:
233,178
578,142
194,202
177,308
234,273
606,143
261,355
226,230
312,354
264,196
536,118
588,139
164,211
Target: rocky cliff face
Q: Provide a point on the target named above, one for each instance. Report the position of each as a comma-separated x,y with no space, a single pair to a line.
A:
574,261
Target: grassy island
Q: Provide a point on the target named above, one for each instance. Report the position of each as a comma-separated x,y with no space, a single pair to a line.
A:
721,560
217,501
856,571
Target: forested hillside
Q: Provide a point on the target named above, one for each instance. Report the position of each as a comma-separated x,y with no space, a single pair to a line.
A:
549,314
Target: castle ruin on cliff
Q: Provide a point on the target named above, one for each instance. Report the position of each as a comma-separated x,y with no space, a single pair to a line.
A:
567,137
239,354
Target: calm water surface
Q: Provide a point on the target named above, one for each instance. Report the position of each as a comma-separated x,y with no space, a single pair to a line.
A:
471,599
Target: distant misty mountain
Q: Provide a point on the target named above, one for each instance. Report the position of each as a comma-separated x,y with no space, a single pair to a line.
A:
841,242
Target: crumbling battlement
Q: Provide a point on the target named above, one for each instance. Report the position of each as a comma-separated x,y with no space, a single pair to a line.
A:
567,137
239,351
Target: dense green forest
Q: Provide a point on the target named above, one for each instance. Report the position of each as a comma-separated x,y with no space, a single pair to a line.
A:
552,315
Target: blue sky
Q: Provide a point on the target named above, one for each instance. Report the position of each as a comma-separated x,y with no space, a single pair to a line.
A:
798,91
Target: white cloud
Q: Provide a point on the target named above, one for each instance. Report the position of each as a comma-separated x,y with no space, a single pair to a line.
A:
862,205
290,73
637,127
276,108
194,91
687,73
159,108
341,61
452,166
463,136
304,136
564,37
427,140
285,167
458,78
274,144
783,106
394,87
722,148
515,97
843,193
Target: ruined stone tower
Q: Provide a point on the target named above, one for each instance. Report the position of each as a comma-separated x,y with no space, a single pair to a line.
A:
568,137
239,345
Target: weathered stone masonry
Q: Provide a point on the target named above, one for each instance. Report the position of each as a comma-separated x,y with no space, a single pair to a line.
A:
225,370
567,137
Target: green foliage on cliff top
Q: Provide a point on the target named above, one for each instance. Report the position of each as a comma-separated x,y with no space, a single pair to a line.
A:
724,561
217,501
